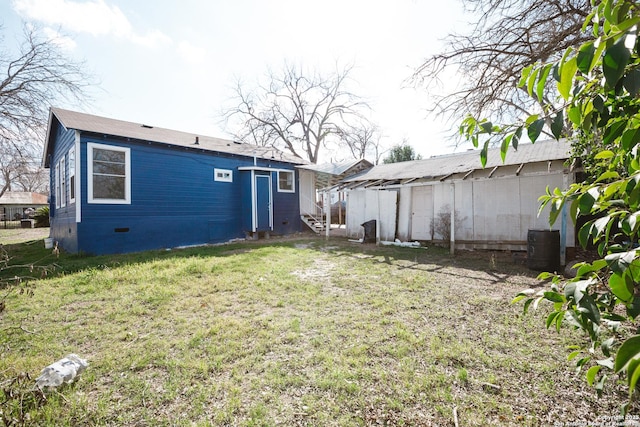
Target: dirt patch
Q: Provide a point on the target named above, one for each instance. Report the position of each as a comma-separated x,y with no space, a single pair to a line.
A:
21,235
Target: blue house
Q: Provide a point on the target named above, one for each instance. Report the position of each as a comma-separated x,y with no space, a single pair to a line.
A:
121,187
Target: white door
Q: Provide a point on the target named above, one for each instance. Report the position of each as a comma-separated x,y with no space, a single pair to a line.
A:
421,212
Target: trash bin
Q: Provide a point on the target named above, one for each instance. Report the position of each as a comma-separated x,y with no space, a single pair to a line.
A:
543,250
369,231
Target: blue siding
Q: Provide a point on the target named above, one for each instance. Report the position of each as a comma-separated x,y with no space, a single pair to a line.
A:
286,208
174,201
63,219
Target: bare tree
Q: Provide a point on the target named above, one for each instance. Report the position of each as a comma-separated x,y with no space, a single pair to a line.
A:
362,138
38,74
300,112
508,36
20,168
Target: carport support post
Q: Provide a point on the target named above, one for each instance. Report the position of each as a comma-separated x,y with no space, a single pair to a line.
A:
326,205
378,218
452,240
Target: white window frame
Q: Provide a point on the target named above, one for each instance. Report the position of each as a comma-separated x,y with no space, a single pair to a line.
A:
72,175
127,165
293,182
63,183
57,184
222,175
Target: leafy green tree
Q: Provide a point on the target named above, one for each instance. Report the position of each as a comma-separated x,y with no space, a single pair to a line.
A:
401,153
598,87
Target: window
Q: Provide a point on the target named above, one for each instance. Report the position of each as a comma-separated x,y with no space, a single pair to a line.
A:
72,175
224,175
56,179
109,172
285,182
63,184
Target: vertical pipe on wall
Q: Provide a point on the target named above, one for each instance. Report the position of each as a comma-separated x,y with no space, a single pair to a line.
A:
452,240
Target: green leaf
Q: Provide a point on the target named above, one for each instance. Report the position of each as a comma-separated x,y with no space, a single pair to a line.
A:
532,80
516,138
557,125
630,137
586,201
588,307
591,374
633,374
559,319
621,286
483,154
629,350
534,129
614,131
575,115
589,268
504,147
620,262
632,82
605,154
567,72
585,57
633,309
553,296
542,81
584,234
551,318
614,62
573,355
487,127
525,75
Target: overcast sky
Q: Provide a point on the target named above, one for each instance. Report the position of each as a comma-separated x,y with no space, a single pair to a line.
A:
171,63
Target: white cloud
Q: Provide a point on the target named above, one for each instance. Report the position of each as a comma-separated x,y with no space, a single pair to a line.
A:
94,17
192,54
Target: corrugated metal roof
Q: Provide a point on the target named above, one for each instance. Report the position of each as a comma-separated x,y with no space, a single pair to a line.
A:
22,198
464,162
102,125
338,168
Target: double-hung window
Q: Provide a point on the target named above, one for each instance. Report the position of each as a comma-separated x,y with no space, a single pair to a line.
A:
72,175
285,182
63,184
109,172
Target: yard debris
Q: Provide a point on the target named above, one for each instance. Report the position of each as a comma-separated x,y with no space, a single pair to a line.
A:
64,370
397,242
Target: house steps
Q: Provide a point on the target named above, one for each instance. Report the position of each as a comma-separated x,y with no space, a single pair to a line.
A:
315,223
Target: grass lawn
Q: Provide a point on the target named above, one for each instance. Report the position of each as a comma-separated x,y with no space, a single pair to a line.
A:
292,332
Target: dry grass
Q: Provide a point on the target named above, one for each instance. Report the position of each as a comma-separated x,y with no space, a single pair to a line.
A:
297,332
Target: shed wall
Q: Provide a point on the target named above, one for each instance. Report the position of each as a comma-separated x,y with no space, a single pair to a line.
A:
491,213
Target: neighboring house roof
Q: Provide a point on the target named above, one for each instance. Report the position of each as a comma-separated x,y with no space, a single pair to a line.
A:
328,174
105,126
468,161
23,198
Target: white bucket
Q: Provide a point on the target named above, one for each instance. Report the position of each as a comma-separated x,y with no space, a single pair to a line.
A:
48,242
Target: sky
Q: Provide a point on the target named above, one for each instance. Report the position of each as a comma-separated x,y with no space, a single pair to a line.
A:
172,63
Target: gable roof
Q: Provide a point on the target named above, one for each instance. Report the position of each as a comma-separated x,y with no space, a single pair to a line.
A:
468,161
105,126
23,198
